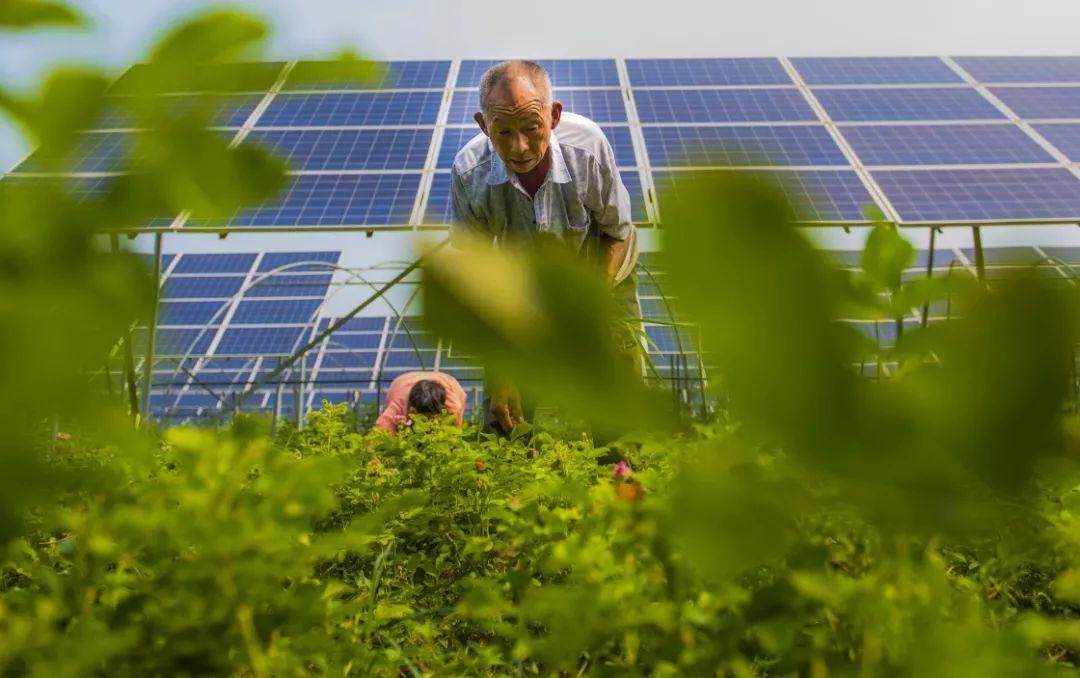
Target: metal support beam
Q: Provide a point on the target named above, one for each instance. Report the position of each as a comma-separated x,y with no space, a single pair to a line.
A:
151,331
299,353
129,357
980,265
929,274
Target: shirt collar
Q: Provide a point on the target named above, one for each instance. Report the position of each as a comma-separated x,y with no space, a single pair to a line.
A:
558,172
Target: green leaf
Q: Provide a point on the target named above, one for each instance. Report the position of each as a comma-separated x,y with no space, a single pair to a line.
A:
886,255
214,36
23,14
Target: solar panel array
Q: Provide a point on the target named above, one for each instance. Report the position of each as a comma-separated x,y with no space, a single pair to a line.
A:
929,140
226,320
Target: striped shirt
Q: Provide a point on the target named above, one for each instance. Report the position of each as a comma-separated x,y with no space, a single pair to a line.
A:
582,191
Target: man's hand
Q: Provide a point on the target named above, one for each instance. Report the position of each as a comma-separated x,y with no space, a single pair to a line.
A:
506,407
612,254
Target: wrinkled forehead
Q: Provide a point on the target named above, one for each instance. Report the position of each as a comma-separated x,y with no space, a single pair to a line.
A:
518,98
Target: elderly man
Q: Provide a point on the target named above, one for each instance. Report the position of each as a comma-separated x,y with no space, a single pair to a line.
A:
536,172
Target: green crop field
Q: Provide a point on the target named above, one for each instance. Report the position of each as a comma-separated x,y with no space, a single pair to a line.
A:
814,523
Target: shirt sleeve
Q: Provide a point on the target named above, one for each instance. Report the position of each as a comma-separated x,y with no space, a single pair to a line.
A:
614,215
464,223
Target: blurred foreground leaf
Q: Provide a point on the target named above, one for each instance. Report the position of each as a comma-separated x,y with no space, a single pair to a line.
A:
23,14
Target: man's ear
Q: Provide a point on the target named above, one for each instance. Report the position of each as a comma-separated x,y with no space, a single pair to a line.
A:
479,118
556,113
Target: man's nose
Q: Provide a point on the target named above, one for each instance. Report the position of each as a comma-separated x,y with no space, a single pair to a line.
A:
521,144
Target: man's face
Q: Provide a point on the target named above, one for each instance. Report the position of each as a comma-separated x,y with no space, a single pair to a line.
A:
519,124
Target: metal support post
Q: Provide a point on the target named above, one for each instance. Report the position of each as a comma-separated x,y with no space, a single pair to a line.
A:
151,332
129,357
929,274
980,265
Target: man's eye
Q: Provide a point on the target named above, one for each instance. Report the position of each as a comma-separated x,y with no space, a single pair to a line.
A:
503,133
531,128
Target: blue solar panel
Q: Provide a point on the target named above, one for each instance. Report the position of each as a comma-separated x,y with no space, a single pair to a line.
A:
174,342
438,205
874,70
214,263
273,260
1064,137
409,358
268,312
906,104
563,72
632,181
219,287
666,341
978,195
190,312
705,72
331,150
599,105
396,75
345,359
943,144
255,340
753,145
360,324
291,285
95,152
411,340
1022,69
344,340
344,378
454,138
739,105
818,195
352,108
226,110
338,200
1041,102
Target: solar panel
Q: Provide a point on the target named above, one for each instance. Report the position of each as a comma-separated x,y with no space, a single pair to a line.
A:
1064,136
939,103
411,340
599,105
396,75
745,105
705,72
343,378
225,110
214,263
358,324
1022,68
1041,102
943,144
258,311
272,261
226,77
351,109
978,195
220,287
412,359
337,200
290,285
754,145
334,150
348,359
345,340
822,196
95,152
174,341
632,181
250,340
190,312
563,72
874,71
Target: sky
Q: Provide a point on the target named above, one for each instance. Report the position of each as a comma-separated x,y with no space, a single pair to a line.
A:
123,30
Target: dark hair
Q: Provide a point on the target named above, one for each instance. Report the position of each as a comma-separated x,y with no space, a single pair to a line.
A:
427,397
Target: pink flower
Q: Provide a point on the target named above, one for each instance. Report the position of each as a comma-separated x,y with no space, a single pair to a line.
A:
63,436
622,470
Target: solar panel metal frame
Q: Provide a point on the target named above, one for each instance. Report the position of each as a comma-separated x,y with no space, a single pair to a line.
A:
988,87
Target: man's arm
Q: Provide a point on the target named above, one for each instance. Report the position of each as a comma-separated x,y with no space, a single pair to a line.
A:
464,222
613,215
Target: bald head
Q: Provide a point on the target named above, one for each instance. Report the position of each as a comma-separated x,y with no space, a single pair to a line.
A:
518,76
